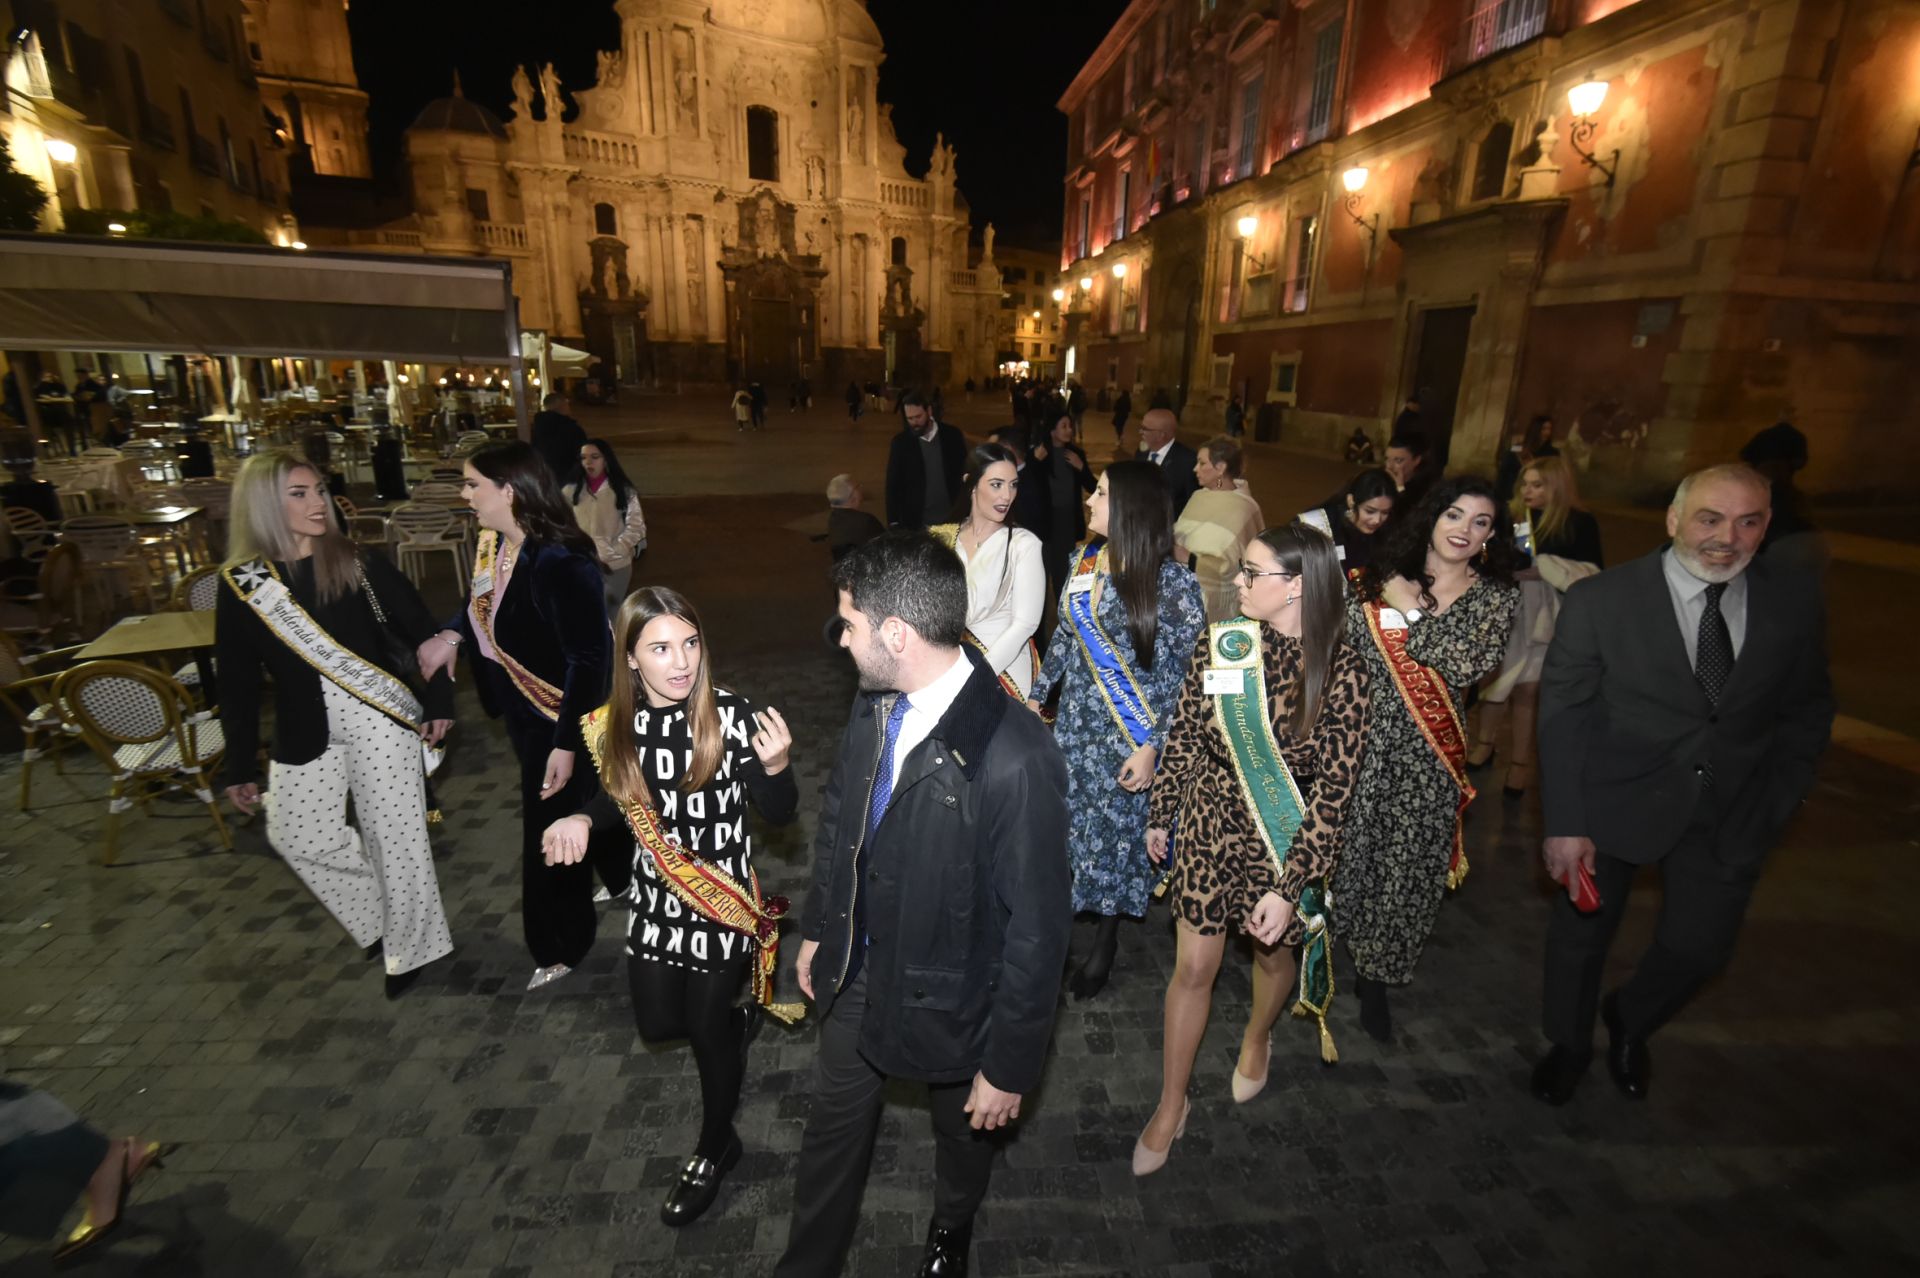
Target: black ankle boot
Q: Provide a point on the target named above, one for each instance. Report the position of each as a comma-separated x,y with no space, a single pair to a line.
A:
1374,1016
946,1253
1091,978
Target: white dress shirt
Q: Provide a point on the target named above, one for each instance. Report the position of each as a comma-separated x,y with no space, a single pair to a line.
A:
1006,597
1689,595
1159,456
926,708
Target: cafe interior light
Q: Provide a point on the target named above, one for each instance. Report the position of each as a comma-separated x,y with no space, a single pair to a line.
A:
1583,100
117,228
300,245
1119,270
1354,178
61,151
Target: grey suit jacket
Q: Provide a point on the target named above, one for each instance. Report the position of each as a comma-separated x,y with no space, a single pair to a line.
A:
1626,732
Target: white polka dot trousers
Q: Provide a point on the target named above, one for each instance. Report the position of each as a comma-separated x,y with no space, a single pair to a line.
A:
378,880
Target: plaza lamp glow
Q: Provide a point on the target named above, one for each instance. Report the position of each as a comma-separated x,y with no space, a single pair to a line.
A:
1247,225
1584,100
1059,295
1086,283
298,245
1119,270
61,151
1355,180
116,228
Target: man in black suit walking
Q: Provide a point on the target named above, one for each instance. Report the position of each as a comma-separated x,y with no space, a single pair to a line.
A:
1684,704
1175,460
924,467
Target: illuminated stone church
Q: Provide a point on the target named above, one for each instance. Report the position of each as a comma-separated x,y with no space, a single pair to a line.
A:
726,201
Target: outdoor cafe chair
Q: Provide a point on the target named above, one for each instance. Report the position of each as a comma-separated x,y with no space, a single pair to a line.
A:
26,689
113,551
198,591
421,530
50,608
358,521
143,727
32,534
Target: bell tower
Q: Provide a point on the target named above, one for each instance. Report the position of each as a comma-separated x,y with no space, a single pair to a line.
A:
303,56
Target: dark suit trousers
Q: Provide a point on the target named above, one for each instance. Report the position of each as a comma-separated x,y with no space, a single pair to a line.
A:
837,1148
556,901
1703,904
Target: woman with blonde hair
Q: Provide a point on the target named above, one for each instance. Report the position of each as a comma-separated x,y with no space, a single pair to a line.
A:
325,619
679,758
1214,529
1564,543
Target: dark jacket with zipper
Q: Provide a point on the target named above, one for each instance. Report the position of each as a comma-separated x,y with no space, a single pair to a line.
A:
244,647
552,620
968,890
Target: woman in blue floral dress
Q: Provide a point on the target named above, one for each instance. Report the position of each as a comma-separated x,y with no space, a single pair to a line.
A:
1130,609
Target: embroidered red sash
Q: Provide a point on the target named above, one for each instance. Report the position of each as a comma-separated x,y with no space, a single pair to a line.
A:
1432,708
701,888
540,694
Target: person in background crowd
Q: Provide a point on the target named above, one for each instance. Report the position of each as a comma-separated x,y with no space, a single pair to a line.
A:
1006,578
49,1156
606,505
87,393
1792,541
1236,417
536,618
1358,513
1534,442
847,524
1061,471
557,437
1076,401
937,879
1408,418
856,403
56,413
1695,767
1214,529
346,722
26,492
1030,499
1128,617
1431,617
924,465
1410,462
758,395
1245,865
1175,460
743,409
1563,542
1122,410
1360,448
679,759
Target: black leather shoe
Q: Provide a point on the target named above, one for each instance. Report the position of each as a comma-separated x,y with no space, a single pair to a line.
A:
398,983
375,951
1557,1074
946,1253
698,1186
1375,1018
1627,1060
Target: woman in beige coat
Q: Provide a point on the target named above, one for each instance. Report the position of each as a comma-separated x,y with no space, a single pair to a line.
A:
607,507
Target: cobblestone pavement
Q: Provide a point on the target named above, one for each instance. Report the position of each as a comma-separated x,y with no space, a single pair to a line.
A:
472,1128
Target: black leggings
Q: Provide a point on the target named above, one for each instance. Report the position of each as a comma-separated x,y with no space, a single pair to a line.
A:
671,1003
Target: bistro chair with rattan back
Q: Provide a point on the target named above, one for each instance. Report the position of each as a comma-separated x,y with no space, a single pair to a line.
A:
114,554
363,526
142,725
215,499
421,530
198,591
32,535
26,690
51,608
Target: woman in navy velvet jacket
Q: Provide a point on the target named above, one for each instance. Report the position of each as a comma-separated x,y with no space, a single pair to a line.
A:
542,652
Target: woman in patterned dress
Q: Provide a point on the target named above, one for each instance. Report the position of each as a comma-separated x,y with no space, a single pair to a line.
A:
1445,579
1223,875
1152,611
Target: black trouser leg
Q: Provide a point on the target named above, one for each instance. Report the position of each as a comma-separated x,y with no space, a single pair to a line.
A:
962,1157
671,1003
556,901
837,1148
610,852
1577,952
1703,905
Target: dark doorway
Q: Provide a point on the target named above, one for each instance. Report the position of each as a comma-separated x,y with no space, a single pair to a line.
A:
1436,372
771,352
763,144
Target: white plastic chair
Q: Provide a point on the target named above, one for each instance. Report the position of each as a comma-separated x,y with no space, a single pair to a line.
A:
421,530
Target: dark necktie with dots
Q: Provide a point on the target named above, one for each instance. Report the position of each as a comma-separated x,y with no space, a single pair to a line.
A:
1713,657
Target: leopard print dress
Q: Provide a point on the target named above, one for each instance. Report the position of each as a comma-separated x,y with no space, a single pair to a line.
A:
1221,867
1392,870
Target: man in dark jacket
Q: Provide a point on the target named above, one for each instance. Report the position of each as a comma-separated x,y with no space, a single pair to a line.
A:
924,467
557,437
937,923
1175,460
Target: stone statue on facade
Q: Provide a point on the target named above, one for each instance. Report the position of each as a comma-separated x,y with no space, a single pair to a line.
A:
986,247
766,236
611,69
522,94
857,116
551,102
683,81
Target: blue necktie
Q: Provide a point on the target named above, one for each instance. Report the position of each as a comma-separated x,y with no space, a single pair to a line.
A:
876,808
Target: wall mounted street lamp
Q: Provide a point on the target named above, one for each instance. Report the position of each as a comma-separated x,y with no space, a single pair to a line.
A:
1247,225
62,152
1119,270
1086,283
1059,295
1585,99
1355,180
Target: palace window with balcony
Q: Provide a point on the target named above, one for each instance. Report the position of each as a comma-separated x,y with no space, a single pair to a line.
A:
1326,75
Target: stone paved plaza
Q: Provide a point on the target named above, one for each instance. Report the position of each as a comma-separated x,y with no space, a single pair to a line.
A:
201,996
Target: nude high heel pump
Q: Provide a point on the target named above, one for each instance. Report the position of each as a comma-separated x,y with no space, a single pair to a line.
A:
1148,1161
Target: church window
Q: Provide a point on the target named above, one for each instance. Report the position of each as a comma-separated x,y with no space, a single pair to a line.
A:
899,250
604,222
763,144
477,205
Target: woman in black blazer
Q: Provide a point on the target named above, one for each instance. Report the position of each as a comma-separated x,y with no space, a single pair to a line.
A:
303,604
542,652
1059,469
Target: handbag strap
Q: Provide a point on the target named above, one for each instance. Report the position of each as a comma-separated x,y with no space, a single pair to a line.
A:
379,613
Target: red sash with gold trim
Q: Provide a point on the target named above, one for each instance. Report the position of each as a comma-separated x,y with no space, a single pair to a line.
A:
706,891
1431,705
540,694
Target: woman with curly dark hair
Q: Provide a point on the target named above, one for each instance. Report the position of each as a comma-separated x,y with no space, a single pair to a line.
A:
537,620
1431,617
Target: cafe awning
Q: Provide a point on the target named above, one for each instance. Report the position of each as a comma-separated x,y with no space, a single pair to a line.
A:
87,294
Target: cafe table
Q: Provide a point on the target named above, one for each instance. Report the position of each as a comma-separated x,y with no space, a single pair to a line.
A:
156,634
169,522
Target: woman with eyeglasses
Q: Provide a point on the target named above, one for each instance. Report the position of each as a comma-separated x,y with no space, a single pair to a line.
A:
1129,616
1260,765
1431,617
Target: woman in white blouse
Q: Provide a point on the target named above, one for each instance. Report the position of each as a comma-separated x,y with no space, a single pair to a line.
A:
1006,571
607,507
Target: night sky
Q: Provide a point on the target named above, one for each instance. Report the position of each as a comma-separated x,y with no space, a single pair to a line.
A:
985,72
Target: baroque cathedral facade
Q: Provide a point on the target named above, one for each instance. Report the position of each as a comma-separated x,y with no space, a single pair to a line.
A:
726,201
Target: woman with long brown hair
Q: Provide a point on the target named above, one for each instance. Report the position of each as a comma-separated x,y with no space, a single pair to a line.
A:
1129,616
537,620
1273,694
303,604
679,758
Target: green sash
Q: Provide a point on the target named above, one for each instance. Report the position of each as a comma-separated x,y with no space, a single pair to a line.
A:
1240,712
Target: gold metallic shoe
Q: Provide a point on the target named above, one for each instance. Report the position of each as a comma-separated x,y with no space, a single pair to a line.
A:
87,1235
